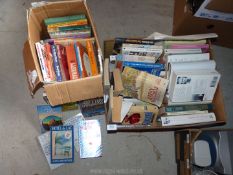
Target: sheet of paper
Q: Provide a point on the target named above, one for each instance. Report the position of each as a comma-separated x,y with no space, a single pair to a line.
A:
126,105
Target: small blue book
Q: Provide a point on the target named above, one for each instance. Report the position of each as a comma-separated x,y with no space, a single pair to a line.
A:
56,65
79,61
62,144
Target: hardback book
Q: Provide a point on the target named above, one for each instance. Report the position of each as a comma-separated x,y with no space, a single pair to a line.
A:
71,28
92,57
81,55
188,119
49,116
92,107
56,64
49,62
187,57
62,144
143,86
42,60
90,141
80,22
204,47
61,53
72,62
64,19
70,34
189,86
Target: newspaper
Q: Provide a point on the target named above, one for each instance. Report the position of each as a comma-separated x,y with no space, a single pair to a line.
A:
144,86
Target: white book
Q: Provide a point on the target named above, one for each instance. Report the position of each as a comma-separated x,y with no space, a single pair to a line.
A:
188,119
182,51
188,57
41,56
198,85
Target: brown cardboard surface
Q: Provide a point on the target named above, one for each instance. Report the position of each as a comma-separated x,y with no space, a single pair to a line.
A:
225,6
61,92
218,103
116,111
106,74
184,23
74,90
118,85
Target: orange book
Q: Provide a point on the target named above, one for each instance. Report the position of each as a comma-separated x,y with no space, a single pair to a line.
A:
49,62
72,63
92,57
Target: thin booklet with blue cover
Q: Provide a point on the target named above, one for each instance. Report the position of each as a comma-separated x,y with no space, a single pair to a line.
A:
62,144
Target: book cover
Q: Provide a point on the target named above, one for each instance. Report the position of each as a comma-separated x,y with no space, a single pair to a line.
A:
143,86
80,22
92,57
70,34
61,52
49,62
80,55
49,116
62,144
42,60
78,28
92,107
56,64
72,62
90,141
64,19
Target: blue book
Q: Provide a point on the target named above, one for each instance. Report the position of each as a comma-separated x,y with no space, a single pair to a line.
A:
62,144
77,51
56,65
151,68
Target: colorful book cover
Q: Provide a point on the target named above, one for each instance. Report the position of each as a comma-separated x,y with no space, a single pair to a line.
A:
64,19
56,64
62,144
90,143
49,62
79,28
61,52
92,107
92,57
49,116
70,34
81,55
42,60
72,62
66,24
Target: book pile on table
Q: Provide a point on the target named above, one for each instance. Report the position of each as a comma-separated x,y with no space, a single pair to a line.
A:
65,129
163,82
70,53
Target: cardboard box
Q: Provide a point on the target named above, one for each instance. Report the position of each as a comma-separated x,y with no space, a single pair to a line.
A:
66,91
112,109
184,142
220,22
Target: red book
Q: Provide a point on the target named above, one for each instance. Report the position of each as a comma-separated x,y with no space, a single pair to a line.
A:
61,51
49,62
72,63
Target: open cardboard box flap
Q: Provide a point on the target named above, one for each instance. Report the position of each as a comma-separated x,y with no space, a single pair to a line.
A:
59,92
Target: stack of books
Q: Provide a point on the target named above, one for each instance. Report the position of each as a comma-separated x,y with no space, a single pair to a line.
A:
175,78
66,57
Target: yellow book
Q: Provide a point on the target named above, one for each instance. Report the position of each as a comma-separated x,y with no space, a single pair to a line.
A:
92,57
70,23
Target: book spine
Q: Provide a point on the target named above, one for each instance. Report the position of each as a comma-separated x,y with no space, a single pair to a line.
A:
64,62
82,56
60,62
144,65
49,58
78,57
64,19
92,57
56,63
72,63
42,61
180,108
66,24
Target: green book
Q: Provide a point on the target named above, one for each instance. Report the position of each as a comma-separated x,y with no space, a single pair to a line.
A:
49,21
68,28
179,108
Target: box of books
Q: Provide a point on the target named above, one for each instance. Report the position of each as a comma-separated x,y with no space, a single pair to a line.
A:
162,83
204,151
62,53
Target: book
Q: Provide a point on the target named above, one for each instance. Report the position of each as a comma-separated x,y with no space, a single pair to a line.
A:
92,57
49,116
92,107
61,53
151,68
204,47
56,64
70,34
44,139
71,28
144,86
81,55
49,62
72,62
41,57
141,53
53,20
188,86
188,57
179,108
62,144
188,119
90,141
66,24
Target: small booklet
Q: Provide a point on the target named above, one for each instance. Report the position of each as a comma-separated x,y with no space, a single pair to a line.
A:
62,144
90,138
